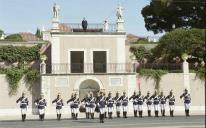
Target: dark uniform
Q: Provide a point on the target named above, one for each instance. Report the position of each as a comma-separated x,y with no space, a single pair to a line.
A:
87,105
162,103
110,104
156,101
118,104
23,101
41,105
101,100
140,102
134,99
59,104
171,99
124,99
148,99
84,24
187,101
74,106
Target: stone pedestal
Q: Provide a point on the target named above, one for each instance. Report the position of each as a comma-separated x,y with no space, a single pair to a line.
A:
186,75
55,25
120,26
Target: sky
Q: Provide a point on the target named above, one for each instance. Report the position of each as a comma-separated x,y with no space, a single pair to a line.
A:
26,15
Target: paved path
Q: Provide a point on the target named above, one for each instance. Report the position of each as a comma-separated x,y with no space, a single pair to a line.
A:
195,121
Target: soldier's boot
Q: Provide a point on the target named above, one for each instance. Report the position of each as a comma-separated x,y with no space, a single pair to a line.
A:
157,113
111,115
185,112
76,116
148,112
117,114
43,116
102,118
92,115
57,116
188,112
105,115
86,115
125,114
163,113
170,113
24,117
141,113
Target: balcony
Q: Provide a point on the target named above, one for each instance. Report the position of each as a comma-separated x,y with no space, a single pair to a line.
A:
90,68
92,27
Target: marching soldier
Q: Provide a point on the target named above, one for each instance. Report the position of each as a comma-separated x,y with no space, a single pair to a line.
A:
75,106
92,105
41,105
187,101
86,102
171,99
59,103
72,106
156,101
118,101
105,110
110,103
23,102
149,103
124,99
134,98
101,106
140,103
162,103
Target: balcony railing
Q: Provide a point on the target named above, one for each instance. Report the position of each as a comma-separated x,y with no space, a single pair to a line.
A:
91,68
92,27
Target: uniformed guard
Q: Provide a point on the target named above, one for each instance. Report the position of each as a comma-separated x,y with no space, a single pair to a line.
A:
101,105
110,104
92,105
134,98
23,102
187,101
41,105
171,99
148,99
118,104
87,105
75,106
105,110
140,103
72,106
156,101
59,104
162,103
124,99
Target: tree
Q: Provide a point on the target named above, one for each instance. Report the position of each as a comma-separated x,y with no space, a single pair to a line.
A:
140,53
38,33
166,15
14,37
179,41
1,33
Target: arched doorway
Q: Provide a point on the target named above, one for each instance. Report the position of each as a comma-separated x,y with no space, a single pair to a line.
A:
88,85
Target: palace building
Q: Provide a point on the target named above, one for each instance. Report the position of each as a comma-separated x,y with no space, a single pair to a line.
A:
87,60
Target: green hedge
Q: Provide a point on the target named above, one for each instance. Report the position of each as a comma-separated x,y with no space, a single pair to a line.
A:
19,54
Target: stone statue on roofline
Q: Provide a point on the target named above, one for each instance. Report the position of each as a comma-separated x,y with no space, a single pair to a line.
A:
56,10
120,13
